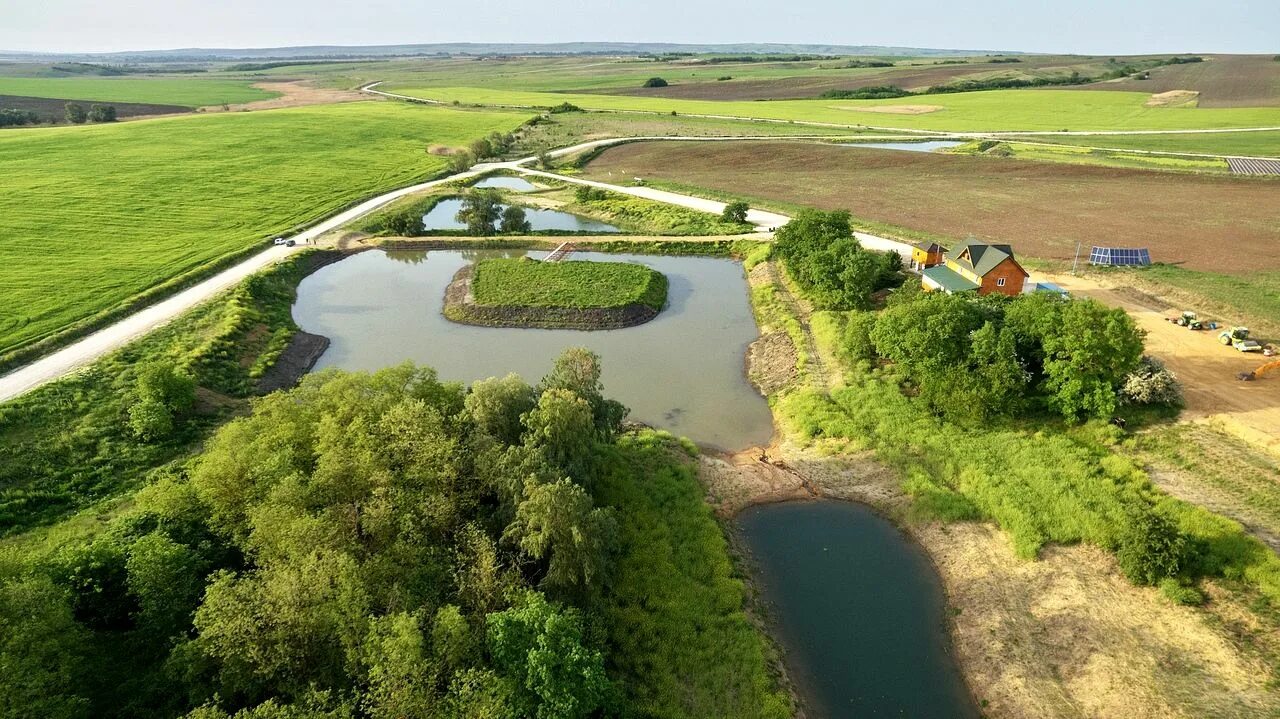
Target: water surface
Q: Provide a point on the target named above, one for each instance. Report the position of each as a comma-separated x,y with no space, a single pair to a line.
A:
443,217
926,146
859,610
503,182
683,371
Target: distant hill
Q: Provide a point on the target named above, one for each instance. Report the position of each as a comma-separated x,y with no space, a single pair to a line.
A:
331,52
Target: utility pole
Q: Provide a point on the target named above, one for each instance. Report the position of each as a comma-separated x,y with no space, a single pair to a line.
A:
1076,261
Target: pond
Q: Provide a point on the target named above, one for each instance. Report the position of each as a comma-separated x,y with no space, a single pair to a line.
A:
926,146
859,609
682,371
502,182
443,217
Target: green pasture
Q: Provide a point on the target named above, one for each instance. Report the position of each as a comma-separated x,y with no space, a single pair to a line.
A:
1264,143
527,283
997,110
186,91
96,216
1081,155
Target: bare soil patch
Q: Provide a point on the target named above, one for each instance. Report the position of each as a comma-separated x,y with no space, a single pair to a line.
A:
1213,223
895,109
1221,80
293,93
1173,98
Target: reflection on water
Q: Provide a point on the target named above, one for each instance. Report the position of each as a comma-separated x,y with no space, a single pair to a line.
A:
860,611
518,184
444,217
926,146
683,371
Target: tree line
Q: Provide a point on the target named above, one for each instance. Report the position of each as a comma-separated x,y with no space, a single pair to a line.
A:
372,545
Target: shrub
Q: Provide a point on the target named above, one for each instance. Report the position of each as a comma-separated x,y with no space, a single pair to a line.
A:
1152,383
164,394
735,212
855,341
1151,547
75,113
102,113
587,193
564,107
514,220
655,82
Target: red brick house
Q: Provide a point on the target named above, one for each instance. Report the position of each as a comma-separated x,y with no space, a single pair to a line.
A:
977,266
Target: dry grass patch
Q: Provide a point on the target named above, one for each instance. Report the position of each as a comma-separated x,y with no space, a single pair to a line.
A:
1174,98
894,109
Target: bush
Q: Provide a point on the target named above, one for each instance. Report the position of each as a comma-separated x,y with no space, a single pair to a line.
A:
564,107
75,113
1152,383
735,212
164,394
874,92
102,113
655,82
1151,547
587,193
855,340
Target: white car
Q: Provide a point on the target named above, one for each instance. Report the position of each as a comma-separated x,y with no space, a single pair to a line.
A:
279,241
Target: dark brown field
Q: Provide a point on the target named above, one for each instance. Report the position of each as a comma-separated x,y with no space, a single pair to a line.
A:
1221,80
810,83
1212,223
54,109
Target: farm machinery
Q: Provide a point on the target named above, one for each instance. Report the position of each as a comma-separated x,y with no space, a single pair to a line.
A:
1189,320
1264,369
1238,338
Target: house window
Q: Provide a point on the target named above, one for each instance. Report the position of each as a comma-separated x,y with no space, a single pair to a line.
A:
999,282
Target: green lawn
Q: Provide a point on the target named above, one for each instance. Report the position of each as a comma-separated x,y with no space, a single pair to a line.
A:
973,111
579,285
191,92
96,216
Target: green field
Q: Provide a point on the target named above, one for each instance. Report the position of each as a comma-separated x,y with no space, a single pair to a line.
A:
580,285
191,92
1081,155
1265,143
999,110
96,216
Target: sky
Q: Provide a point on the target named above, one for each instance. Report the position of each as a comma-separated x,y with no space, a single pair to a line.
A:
1077,26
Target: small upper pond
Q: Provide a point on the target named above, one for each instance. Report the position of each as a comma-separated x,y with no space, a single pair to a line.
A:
683,371
502,182
926,146
859,609
443,217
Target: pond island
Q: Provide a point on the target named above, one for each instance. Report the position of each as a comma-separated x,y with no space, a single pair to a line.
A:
582,295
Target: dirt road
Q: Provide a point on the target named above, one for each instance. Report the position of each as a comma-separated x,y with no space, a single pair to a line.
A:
1249,410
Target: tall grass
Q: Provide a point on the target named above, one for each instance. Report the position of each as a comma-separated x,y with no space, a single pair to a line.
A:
674,611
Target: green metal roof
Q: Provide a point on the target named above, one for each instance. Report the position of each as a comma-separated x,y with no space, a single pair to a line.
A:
949,280
985,257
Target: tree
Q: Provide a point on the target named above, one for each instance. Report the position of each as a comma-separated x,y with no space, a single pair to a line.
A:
561,428
544,160
655,82
557,523
75,113
41,649
1151,548
541,648
167,579
1087,357
578,370
406,223
496,406
735,212
514,221
163,394
480,211
102,113
399,668
461,161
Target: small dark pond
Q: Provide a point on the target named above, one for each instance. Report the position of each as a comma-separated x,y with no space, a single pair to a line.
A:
502,182
443,217
859,610
682,371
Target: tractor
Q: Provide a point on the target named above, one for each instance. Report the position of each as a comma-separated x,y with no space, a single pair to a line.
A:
1189,320
1238,337
1268,367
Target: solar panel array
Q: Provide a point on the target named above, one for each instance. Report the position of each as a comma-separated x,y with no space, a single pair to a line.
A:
1120,256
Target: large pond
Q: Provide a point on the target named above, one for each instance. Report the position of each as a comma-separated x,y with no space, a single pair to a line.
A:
444,217
859,610
925,146
683,371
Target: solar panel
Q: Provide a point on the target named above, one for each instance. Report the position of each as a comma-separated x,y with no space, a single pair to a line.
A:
1120,256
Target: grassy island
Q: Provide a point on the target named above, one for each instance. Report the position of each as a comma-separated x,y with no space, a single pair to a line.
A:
573,295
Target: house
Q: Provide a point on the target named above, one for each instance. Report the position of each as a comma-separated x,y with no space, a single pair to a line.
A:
976,266
926,254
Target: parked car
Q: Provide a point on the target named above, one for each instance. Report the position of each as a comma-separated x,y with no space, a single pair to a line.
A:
279,241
